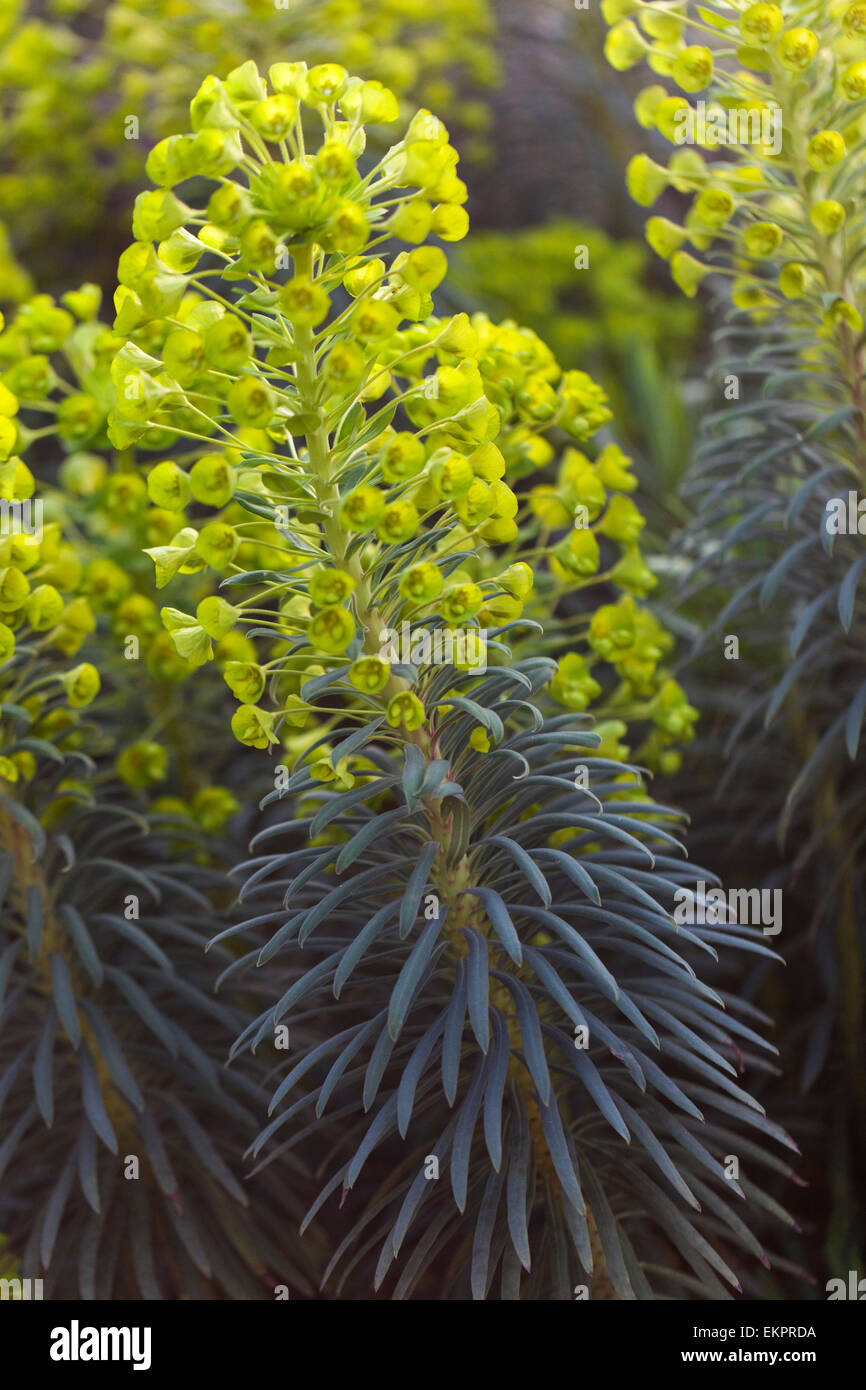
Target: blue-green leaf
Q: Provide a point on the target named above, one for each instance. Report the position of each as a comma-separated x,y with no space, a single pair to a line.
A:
854,721
477,986
530,871
92,1100
466,1120
500,1054
516,1181
43,1067
414,890
64,999
500,920
82,941
414,1070
530,1032
412,973
848,592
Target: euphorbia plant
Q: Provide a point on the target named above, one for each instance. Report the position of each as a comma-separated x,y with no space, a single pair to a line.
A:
779,485
58,355
477,890
118,1130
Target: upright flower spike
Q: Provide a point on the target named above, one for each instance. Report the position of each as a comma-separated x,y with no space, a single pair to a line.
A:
752,109
777,540
298,392
419,757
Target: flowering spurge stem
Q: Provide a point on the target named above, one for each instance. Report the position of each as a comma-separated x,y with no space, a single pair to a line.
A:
463,885
779,98
318,442
319,454
780,481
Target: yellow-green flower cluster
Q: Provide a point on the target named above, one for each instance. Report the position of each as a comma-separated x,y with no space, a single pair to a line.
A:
47,342
382,441
80,113
57,357
45,616
588,528
765,104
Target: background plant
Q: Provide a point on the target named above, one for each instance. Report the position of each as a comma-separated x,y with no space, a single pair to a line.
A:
58,355
122,1133
772,473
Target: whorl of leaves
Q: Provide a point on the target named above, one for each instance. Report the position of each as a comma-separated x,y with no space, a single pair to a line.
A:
446,1026
112,1045
771,473
770,563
